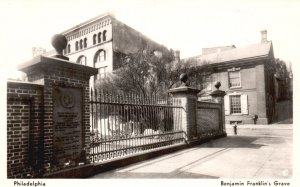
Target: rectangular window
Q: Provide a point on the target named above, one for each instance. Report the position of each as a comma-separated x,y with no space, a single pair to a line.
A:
101,56
101,73
234,79
235,104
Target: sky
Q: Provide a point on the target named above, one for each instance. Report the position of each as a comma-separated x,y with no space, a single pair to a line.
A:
185,25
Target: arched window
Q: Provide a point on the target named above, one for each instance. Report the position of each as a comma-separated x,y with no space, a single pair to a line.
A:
94,39
69,48
85,43
101,56
104,35
81,60
99,37
76,46
81,44
102,73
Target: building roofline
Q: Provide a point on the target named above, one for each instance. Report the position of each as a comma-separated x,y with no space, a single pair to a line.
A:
142,35
242,60
233,46
226,64
224,56
87,22
261,57
114,20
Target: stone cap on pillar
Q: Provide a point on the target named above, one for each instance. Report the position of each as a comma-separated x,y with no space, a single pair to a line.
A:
49,64
44,64
184,89
218,93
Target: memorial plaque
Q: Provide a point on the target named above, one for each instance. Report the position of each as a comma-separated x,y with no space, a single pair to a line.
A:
207,120
67,119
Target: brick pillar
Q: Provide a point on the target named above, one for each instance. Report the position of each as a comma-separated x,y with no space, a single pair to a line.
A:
218,97
66,106
188,99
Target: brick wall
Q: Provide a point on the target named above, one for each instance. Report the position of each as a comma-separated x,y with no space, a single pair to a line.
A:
53,73
30,108
60,79
253,84
188,116
199,120
24,129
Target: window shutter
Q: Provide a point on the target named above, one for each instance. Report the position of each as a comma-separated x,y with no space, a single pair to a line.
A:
244,104
226,105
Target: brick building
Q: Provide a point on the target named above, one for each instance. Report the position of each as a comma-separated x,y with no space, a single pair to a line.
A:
101,41
247,76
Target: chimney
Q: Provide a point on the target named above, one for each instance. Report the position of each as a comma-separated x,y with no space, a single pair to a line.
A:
264,36
36,51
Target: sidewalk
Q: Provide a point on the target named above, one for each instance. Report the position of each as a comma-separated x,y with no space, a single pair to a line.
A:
229,128
285,124
258,152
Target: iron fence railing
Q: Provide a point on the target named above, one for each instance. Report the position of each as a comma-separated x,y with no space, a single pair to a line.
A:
127,124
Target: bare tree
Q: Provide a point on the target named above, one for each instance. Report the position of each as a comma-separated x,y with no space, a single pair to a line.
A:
148,72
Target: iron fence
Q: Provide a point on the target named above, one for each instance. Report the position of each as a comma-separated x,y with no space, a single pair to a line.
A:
123,125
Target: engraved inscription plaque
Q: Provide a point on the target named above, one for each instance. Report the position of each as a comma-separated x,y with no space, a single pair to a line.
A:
207,120
67,121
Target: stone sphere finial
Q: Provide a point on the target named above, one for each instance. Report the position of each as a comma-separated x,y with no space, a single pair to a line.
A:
59,42
217,85
183,78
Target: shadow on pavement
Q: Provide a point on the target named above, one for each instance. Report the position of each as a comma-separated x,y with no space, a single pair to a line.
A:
284,121
234,142
175,174
155,168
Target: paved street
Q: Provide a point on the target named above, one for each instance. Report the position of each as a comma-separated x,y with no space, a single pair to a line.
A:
261,151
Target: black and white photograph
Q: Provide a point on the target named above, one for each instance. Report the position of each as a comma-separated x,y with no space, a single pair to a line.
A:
157,92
